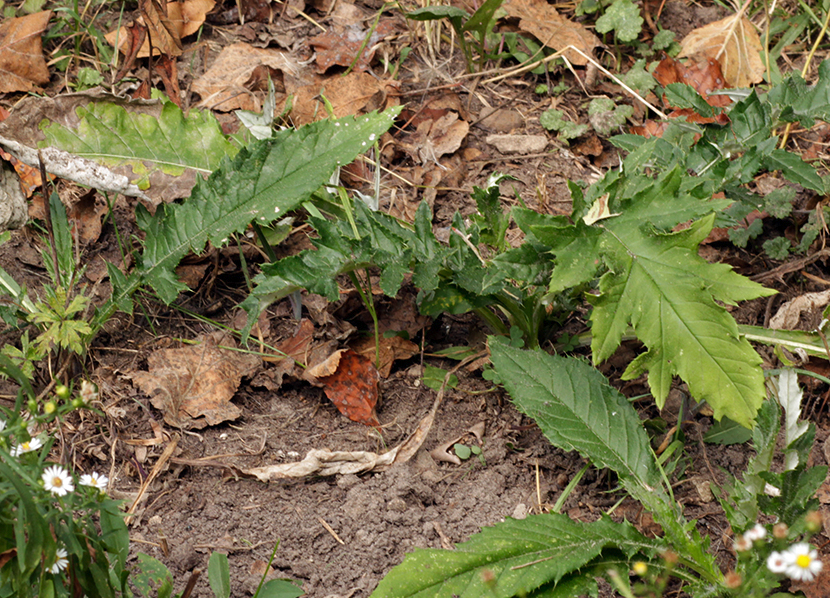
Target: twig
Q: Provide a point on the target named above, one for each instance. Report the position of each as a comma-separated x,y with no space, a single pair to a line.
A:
330,530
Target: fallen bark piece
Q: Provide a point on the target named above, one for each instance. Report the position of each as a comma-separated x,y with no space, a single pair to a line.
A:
518,144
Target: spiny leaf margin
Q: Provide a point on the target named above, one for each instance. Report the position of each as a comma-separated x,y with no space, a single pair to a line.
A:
522,555
263,182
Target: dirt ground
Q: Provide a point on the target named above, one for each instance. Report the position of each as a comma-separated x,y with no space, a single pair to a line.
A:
339,535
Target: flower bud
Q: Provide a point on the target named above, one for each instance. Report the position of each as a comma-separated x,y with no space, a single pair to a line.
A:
640,568
780,531
62,391
814,522
733,580
32,406
49,407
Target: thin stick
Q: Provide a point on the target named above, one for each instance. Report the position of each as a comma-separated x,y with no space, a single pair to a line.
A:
606,72
330,530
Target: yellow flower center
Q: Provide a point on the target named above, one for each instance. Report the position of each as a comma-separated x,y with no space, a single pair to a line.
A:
803,561
25,446
58,483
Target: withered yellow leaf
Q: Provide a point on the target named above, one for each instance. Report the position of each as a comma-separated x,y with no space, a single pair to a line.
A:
734,43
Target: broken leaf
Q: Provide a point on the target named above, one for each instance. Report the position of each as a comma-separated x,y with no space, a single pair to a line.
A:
22,67
541,19
733,42
193,386
353,387
153,144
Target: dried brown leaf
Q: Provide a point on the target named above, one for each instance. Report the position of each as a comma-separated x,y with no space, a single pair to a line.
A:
339,45
193,386
549,27
22,67
164,34
228,83
183,18
734,43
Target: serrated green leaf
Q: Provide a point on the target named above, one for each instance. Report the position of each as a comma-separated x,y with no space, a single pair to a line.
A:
262,183
139,145
577,409
668,294
794,169
778,248
680,95
623,16
803,103
659,285
520,557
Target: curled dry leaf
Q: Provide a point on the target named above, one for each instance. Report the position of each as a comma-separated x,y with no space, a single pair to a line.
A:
541,19
389,350
22,67
734,43
182,19
193,386
163,34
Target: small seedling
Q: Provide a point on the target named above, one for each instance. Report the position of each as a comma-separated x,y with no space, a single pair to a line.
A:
464,452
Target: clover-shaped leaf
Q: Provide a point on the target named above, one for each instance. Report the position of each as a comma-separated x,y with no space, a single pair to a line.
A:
624,18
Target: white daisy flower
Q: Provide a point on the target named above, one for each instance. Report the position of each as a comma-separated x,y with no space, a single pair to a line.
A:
57,481
61,561
89,392
96,480
777,562
759,532
803,562
26,447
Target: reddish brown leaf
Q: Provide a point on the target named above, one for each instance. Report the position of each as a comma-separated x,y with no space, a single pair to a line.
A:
136,35
6,556
298,346
22,67
353,388
166,69
389,350
705,77
340,45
